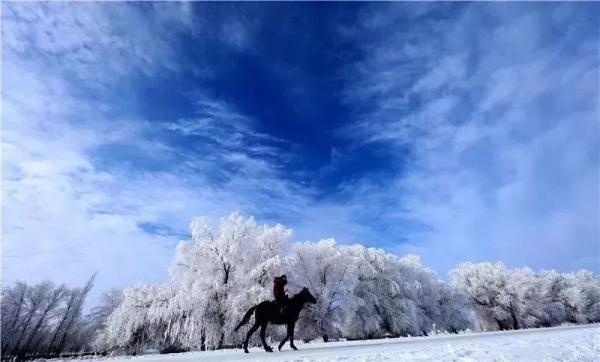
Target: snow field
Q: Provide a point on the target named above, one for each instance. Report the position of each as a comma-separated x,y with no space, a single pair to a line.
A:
569,343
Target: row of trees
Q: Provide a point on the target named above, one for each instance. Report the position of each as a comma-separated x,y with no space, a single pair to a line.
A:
228,267
520,298
44,319
361,292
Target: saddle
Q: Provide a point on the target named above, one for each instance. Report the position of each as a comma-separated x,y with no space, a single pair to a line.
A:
281,307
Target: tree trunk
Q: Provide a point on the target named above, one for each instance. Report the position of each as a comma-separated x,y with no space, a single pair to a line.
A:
513,315
62,322
75,304
221,338
203,341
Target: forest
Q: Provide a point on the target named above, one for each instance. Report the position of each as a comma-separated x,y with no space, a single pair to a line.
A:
229,265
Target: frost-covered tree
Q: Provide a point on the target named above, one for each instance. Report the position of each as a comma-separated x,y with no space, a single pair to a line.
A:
229,266
13,310
36,300
215,278
490,288
520,298
70,324
52,297
579,293
329,271
417,296
455,312
109,302
43,319
384,297
98,318
148,314
367,317
399,296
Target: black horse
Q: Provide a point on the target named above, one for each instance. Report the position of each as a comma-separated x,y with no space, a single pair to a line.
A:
268,312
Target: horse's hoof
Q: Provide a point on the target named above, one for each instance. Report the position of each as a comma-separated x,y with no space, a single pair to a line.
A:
269,349
294,348
279,348
246,351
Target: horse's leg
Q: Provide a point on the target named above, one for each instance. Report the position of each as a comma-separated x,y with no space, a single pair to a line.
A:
287,336
290,333
263,330
249,334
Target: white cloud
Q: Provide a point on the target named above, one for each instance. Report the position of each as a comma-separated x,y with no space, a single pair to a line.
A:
503,132
66,215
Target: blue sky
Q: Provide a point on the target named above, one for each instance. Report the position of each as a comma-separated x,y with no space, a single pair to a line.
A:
456,131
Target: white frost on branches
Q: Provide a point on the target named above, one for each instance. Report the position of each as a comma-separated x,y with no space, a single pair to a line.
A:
519,298
215,278
229,266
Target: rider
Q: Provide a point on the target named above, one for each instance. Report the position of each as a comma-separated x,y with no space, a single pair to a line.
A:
280,298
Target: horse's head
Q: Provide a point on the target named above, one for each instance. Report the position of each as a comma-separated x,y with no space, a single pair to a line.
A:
307,296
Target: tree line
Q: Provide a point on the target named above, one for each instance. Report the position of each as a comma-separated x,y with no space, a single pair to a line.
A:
229,266
44,319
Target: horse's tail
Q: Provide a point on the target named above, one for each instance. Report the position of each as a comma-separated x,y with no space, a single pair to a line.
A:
246,317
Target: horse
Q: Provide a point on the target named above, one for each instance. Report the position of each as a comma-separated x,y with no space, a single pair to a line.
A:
268,312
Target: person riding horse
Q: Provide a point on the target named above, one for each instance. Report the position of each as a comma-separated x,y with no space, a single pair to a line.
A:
268,312
279,293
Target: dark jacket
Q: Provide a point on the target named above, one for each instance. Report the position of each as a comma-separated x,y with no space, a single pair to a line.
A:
278,291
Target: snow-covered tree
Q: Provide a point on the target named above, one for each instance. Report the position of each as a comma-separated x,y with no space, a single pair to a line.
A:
328,271
366,314
229,266
399,296
215,278
98,318
384,296
43,319
520,298
148,314
70,322
580,295
489,287
39,300
455,312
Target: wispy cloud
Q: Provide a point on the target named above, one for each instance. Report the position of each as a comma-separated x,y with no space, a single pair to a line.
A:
90,185
498,108
69,211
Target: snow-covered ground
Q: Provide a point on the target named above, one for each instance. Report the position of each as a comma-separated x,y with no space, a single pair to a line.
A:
572,343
